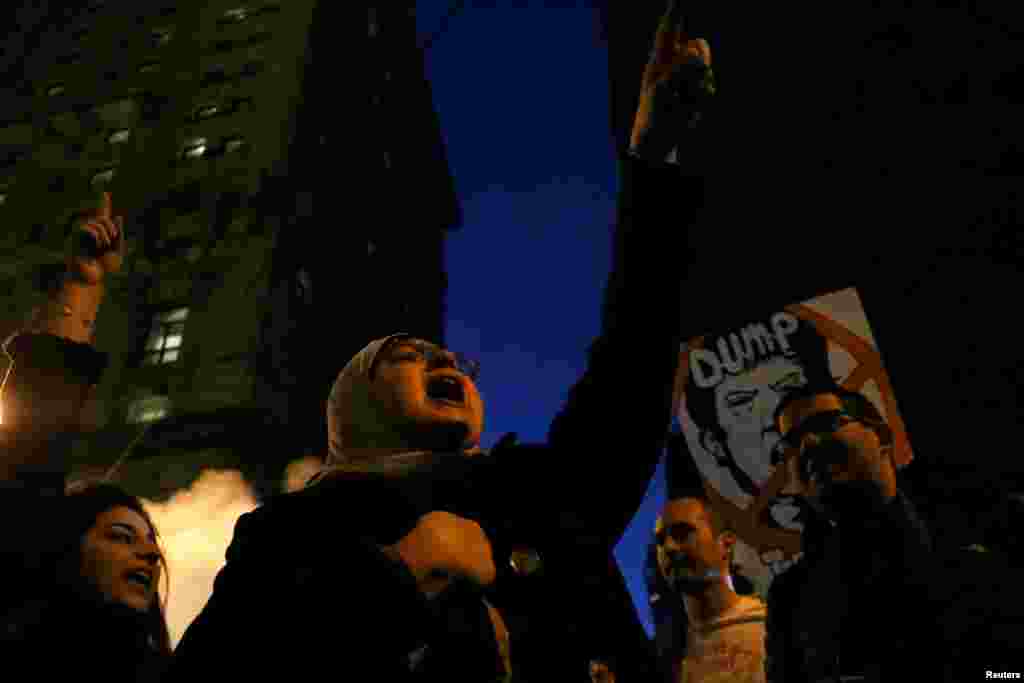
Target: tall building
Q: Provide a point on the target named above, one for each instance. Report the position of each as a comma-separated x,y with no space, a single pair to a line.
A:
286,197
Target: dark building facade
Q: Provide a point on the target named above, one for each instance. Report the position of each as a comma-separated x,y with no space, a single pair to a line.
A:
286,197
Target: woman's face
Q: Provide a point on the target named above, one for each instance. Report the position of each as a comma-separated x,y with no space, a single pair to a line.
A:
121,559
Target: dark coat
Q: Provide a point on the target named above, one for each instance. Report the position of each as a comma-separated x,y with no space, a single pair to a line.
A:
878,600
306,589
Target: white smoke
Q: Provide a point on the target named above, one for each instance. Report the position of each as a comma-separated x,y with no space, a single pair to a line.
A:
195,527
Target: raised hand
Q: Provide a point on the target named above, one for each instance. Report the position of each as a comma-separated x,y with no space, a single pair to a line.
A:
99,242
677,71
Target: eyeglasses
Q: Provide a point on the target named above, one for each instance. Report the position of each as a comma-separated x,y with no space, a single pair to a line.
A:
821,423
405,350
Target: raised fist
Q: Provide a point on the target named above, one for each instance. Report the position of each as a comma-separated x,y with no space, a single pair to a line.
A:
676,80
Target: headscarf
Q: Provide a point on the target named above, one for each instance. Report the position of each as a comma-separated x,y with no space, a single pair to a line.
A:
360,437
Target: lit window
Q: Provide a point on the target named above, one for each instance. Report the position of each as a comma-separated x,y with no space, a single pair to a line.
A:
55,90
149,67
163,345
208,111
149,409
236,15
103,178
234,144
119,136
160,37
194,149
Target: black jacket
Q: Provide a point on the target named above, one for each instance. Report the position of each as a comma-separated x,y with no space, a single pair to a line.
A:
305,588
879,601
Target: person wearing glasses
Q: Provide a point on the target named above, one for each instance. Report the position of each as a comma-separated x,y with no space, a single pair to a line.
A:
872,599
415,555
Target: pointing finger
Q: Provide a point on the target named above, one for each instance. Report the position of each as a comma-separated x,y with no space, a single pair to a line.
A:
105,206
667,37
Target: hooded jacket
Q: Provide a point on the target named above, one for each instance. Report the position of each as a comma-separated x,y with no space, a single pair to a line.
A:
306,588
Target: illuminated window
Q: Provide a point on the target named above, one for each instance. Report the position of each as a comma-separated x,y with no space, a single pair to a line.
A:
103,178
160,37
234,144
149,409
119,136
208,111
3,198
195,148
55,90
163,345
235,16
149,68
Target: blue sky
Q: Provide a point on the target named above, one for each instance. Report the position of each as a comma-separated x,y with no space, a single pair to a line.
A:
522,94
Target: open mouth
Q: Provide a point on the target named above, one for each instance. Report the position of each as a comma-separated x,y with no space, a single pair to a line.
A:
140,578
446,388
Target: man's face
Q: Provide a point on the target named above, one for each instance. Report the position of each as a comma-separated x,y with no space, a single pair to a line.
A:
121,559
689,554
825,453
432,404
601,673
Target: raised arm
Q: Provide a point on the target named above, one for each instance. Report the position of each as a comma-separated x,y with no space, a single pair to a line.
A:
95,250
609,434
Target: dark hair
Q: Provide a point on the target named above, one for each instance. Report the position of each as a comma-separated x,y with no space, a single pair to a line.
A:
806,347
855,403
83,504
715,520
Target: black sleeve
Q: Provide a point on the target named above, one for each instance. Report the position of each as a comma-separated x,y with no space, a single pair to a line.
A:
608,437
31,509
296,599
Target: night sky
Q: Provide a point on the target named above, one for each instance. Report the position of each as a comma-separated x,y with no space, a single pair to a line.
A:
522,94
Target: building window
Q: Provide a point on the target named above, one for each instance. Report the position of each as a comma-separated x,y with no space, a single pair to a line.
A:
254,67
149,409
208,112
119,136
103,178
195,148
235,15
55,90
3,197
149,67
215,74
163,345
234,144
160,37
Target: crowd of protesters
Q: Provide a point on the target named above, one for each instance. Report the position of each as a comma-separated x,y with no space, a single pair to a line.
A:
408,556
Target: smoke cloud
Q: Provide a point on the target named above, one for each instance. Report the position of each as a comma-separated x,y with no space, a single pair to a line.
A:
195,527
